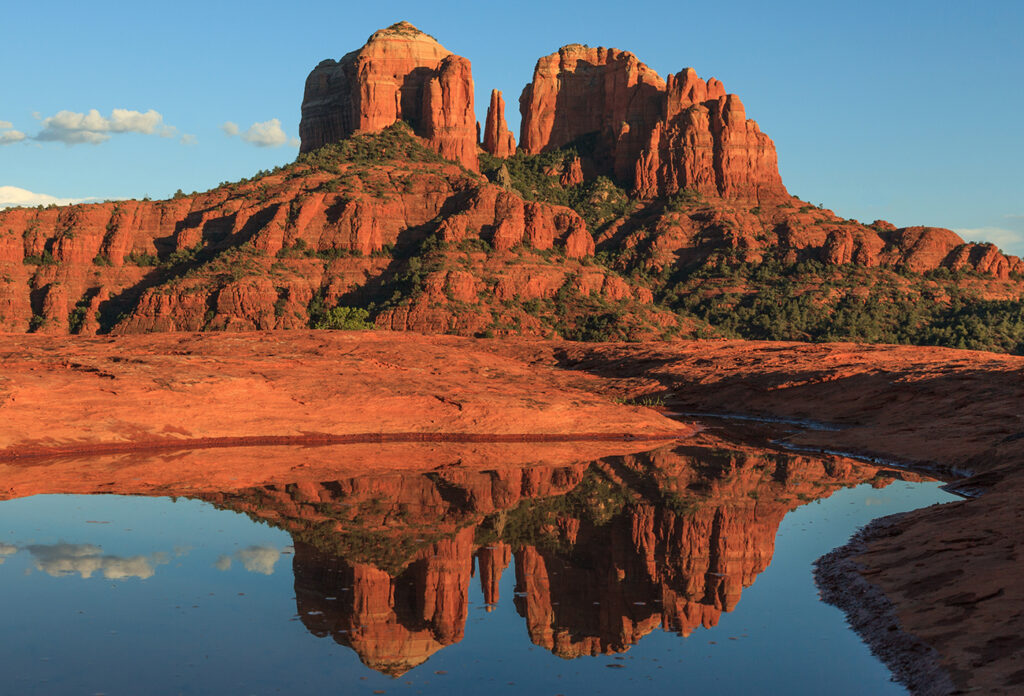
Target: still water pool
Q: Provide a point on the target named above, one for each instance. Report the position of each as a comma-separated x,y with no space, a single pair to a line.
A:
678,570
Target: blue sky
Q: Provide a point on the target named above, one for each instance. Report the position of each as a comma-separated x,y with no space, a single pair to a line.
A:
902,110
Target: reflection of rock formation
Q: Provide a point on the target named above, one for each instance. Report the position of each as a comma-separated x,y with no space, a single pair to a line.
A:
604,552
393,622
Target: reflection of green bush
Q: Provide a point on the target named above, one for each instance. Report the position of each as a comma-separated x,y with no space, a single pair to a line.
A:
597,500
390,553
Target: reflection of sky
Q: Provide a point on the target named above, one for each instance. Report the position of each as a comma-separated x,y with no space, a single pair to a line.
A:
63,559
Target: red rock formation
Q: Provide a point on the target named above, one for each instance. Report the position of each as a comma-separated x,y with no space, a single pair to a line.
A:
400,74
660,137
498,139
256,255
573,174
706,144
580,91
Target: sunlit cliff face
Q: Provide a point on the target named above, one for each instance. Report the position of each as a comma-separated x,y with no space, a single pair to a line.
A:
604,552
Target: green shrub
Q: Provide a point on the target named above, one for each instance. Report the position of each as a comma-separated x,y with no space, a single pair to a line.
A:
344,319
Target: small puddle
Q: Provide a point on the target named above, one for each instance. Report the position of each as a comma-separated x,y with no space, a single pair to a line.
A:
678,566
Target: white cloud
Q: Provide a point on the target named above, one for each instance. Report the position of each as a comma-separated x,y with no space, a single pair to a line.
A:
6,124
1010,241
189,139
263,134
72,128
12,196
259,559
11,136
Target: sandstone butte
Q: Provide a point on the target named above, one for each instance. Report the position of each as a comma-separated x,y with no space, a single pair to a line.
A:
400,74
343,226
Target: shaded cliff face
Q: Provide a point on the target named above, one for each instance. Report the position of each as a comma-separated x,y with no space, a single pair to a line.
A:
605,552
658,137
401,74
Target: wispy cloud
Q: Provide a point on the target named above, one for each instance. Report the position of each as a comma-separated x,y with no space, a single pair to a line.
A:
73,128
261,134
189,139
1010,241
12,196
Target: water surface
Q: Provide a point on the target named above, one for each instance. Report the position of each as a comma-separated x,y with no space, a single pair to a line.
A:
681,568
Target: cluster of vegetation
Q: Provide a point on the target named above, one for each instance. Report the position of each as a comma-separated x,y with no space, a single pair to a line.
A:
537,178
813,302
44,259
396,142
338,318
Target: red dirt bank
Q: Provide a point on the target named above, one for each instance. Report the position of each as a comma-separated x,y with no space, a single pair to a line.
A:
187,390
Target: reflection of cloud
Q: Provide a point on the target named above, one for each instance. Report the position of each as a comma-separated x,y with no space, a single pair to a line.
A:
7,549
58,560
259,559
255,559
